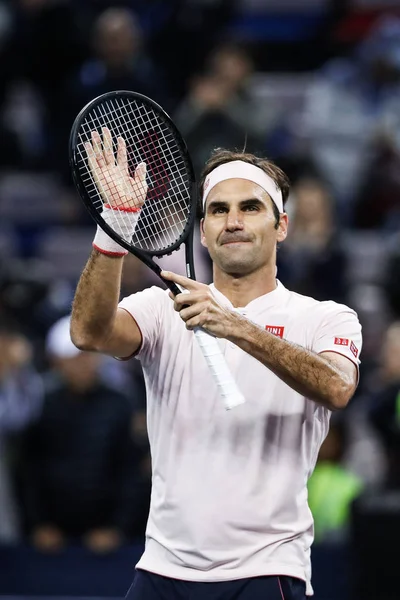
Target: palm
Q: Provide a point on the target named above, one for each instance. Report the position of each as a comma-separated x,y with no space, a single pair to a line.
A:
111,176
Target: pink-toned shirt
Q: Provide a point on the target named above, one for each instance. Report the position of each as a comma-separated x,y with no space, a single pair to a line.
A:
229,495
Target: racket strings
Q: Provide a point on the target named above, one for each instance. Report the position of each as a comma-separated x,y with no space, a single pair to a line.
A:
120,127
166,192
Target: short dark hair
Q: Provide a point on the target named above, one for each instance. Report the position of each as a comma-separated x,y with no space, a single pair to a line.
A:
221,156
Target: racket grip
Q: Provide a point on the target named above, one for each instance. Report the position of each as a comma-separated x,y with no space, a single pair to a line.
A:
220,370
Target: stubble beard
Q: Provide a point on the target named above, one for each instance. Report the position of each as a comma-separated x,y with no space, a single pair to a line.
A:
244,263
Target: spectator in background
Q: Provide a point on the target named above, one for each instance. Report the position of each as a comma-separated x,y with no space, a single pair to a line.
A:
187,29
21,395
217,111
83,477
312,261
45,45
353,106
332,487
232,63
391,279
377,203
10,152
119,62
385,404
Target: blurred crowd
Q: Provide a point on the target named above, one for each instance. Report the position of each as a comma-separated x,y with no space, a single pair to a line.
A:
74,458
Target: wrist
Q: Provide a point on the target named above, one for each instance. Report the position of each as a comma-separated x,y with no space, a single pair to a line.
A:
121,221
237,327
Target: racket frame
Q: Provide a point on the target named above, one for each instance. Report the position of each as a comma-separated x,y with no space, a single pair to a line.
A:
186,236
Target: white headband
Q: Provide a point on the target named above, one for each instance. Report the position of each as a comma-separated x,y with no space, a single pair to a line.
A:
238,169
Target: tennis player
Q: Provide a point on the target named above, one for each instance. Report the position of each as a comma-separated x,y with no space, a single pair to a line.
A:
229,518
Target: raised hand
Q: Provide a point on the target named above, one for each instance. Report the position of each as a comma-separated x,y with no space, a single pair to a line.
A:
117,188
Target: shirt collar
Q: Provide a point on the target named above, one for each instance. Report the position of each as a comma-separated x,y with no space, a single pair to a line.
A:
274,298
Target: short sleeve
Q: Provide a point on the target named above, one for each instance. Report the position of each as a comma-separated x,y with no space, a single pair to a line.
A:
147,308
338,330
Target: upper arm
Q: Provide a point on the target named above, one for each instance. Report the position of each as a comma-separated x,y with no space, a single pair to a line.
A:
337,330
125,338
338,338
346,366
140,323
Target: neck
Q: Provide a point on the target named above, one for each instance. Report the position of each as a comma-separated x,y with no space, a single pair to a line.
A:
240,290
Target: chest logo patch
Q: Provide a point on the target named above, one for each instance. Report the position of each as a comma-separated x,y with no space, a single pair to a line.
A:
275,330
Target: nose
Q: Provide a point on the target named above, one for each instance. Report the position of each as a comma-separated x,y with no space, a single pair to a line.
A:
233,220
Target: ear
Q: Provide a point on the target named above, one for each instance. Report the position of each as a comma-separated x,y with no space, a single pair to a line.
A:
202,234
282,227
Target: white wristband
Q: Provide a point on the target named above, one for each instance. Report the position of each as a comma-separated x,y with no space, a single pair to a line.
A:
123,222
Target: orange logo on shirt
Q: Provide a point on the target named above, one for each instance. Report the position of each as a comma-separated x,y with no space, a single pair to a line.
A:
275,330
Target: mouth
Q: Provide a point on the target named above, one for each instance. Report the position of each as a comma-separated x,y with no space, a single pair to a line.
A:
234,242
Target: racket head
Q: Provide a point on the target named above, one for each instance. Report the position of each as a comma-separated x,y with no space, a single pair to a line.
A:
168,213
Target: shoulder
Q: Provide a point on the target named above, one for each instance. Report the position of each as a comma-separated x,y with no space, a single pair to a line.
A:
330,311
322,306
153,292
313,310
148,298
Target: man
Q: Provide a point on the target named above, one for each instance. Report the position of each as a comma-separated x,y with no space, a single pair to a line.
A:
81,467
229,515
21,399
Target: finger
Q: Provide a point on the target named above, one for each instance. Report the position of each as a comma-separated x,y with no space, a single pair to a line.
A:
139,182
122,155
97,148
89,150
192,311
184,282
108,146
90,154
193,323
187,299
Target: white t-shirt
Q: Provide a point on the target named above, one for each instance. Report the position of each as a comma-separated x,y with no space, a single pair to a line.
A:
229,495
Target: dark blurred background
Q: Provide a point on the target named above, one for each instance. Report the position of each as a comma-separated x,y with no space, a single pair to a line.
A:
312,84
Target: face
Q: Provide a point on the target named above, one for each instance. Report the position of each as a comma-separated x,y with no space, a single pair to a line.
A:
238,228
312,201
233,67
116,41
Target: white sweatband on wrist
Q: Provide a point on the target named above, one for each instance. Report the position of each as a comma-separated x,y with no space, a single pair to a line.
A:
238,169
123,222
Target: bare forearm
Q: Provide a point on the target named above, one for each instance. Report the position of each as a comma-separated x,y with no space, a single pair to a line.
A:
96,300
308,373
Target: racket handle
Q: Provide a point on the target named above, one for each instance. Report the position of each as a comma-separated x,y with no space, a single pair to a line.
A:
220,370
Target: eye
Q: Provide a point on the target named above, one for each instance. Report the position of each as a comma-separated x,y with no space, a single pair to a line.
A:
251,208
219,210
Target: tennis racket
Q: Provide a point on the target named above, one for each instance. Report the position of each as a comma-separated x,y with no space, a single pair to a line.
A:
136,130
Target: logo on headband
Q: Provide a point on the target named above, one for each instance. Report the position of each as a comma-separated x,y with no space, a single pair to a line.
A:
206,183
